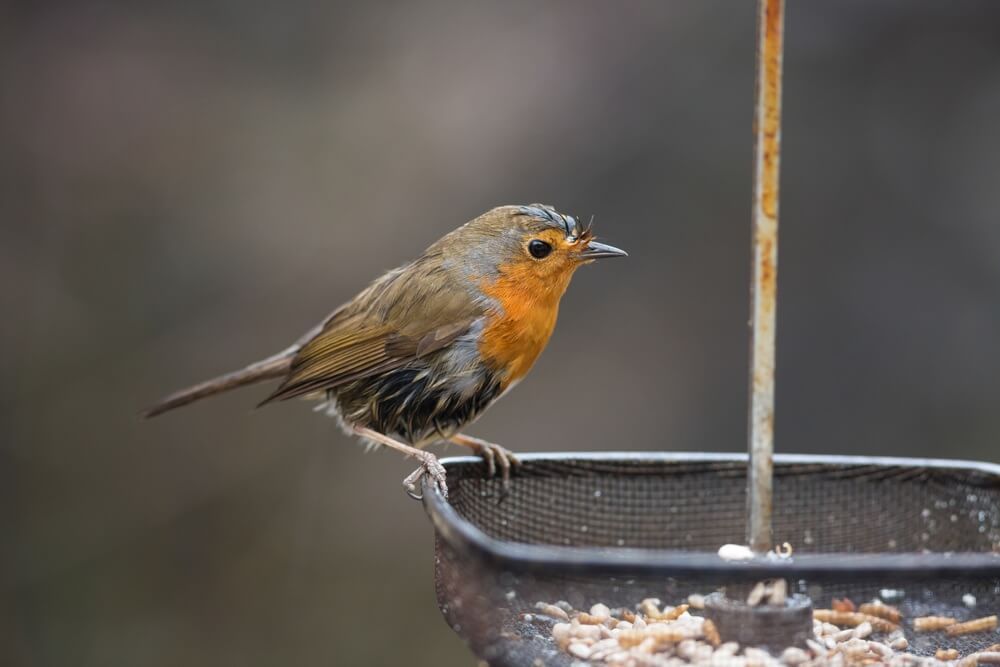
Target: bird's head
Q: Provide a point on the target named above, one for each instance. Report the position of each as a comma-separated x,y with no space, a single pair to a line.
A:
532,249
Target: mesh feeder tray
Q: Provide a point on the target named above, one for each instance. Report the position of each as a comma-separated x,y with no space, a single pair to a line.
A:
618,528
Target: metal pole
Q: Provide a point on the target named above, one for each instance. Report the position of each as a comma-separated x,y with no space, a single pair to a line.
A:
763,288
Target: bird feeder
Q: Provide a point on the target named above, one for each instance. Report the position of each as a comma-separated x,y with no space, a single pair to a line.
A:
619,558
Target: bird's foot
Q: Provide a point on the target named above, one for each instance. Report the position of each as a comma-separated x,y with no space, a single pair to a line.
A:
492,454
429,465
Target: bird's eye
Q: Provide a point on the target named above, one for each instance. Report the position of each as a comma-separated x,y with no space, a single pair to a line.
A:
539,249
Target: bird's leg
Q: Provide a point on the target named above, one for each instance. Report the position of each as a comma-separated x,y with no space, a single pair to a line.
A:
429,464
491,453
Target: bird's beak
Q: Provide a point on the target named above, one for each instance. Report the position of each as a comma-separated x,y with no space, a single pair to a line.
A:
595,250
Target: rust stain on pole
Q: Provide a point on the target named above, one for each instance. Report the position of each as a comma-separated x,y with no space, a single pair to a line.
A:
764,283
769,109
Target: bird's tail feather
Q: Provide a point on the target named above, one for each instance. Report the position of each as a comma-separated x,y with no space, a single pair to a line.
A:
266,369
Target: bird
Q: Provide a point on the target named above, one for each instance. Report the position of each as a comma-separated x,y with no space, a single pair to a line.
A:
426,348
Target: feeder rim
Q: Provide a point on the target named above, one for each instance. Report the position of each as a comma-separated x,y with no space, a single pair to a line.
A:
463,536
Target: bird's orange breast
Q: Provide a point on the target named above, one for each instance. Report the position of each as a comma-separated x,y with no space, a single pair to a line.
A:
519,330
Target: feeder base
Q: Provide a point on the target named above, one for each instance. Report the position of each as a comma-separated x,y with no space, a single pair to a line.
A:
767,626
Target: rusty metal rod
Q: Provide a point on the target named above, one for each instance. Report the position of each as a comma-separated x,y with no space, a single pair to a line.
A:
764,283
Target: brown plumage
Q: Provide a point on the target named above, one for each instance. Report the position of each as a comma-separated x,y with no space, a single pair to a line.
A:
427,347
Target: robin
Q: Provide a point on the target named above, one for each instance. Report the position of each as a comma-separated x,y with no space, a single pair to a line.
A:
426,348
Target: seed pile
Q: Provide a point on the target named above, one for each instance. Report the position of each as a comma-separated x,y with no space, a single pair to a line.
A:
653,635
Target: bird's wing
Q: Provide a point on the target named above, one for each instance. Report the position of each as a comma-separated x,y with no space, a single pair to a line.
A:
385,327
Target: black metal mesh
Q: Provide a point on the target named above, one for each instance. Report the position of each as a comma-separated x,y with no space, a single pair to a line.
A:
696,506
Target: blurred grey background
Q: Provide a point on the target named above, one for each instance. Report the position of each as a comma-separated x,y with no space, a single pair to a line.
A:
186,187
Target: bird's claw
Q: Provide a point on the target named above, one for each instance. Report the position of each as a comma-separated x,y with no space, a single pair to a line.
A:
429,465
494,454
